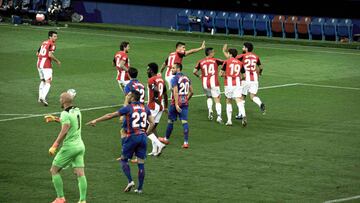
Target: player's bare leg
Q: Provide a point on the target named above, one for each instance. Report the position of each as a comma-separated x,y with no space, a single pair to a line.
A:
257,101
58,184
218,109
209,102
228,111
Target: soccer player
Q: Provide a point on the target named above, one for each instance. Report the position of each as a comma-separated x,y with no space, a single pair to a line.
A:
45,55
210,81
181,94
72,150
137,115
157,103
177,57
122,63
135,84
232,69
253,68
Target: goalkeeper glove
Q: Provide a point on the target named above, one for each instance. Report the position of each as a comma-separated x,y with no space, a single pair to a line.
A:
53,149
51,118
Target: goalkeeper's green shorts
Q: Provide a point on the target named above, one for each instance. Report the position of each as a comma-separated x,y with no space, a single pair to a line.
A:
67,156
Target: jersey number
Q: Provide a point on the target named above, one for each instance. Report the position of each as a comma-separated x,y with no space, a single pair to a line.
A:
209,70
234,69
250,64
43,50
184,88
142,97
171,60
161,89
79,122
136,122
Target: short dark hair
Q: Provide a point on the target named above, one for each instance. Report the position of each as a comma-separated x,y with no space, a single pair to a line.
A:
50,33
208,51
179,44
178,65
233,52
133,72
136,94
249,46
123,45
153,67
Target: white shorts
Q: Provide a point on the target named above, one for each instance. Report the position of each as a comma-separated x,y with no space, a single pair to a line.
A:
156,113
233,92
45,73
212,92
251,87
168,80
123,83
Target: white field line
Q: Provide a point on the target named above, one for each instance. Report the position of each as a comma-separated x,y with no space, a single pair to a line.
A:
329,86
16,114
116,105
190,41
343,199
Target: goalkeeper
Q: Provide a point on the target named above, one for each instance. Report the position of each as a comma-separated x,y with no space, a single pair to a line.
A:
72,150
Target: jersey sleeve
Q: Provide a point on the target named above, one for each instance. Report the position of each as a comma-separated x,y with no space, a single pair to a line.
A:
64,118
124,110
123,57
174,81
52,47
181,54
127,89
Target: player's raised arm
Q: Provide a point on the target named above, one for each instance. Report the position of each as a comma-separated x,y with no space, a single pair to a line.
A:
191,51
225,51
103,118
64,130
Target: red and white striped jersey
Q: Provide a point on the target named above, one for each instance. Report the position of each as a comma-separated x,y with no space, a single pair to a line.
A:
250,62
156,83
122,56
44,61
174,57
232,68
209,71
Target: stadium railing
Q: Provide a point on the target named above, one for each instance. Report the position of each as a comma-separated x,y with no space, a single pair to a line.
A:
345,29
249,23
221,21
330,28
277,25
290,26
262,23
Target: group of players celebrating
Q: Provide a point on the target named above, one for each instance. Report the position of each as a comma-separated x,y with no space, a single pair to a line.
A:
139,119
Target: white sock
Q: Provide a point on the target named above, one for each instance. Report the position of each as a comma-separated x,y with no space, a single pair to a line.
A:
153,139
45,90
209,104
41,86
218,109
156,140
257,101
228,111
241,108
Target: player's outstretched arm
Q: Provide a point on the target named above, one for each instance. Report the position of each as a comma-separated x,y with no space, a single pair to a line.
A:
103,118
64,130
191,51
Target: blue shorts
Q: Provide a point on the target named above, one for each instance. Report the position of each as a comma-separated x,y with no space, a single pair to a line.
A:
134,144
173,114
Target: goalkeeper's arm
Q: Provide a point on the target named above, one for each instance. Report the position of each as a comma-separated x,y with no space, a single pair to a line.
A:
64,130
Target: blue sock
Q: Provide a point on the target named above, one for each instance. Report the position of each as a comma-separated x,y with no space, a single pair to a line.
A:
186,132
141,175
169,129
126,168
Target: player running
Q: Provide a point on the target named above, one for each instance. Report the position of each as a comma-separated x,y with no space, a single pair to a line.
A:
157,103
136,117
210,81
122,63
45,55
231,70
181,94
177,57
72,150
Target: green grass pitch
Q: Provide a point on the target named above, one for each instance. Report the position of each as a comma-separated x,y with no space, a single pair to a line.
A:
306,148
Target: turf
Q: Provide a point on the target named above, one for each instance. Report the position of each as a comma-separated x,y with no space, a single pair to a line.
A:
306,148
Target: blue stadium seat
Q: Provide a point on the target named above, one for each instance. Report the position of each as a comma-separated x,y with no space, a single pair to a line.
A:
208,20
38,6
234,21
249,23
182,20
330,28
66,4
198,14
221,21
345,28
317,27
262,23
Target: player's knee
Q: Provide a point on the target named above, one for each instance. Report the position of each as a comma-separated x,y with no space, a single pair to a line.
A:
184,121
141,161
170,121
54,170
79,171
